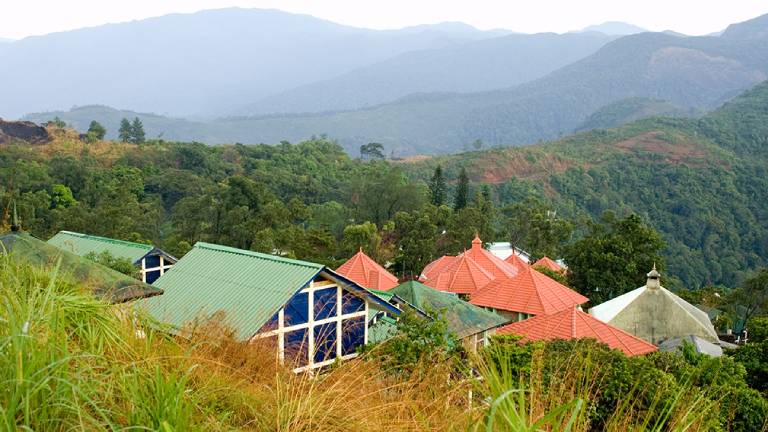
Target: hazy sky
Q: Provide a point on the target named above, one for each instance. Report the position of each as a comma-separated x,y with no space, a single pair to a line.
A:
20,18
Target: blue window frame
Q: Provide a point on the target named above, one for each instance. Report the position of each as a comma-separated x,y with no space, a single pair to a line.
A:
325,342
325,303
297,310
152,276
351,303
352,334
297,347
152,261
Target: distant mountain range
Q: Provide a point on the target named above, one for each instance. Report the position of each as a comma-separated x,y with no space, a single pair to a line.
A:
615,28
449,85
203,63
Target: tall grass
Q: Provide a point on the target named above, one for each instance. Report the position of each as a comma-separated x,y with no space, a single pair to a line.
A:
70,362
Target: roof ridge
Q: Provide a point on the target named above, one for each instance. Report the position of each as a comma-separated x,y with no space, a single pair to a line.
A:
107,240
222,248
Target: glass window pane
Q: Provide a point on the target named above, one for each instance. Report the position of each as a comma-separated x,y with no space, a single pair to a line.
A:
325,342
351,303
152,276
297,348
325,303
297,310
353,335
152,261
271,324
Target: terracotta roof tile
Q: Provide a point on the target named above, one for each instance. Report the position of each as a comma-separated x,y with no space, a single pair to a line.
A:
515,261
529,292
490,262
435,267
548,263
461,276
366,272
575,324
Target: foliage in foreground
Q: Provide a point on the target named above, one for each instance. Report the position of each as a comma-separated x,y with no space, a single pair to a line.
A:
68,362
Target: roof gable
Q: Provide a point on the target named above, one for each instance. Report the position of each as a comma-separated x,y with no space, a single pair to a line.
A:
515,261
83,244
363,270
464,319
529,292
490,262
548,263
249,287
575,324
462,276
105,283
435,267
656,315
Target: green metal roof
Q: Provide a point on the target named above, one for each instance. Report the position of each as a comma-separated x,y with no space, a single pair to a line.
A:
385,328
83,244
105,283
249,287
464,319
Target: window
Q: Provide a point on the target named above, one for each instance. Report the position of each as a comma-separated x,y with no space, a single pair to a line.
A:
270,325
297,347
353,335
325,342
152,261
150,277
325,303
351,303
297,310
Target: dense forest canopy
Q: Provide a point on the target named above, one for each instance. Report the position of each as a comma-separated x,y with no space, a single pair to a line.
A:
702,183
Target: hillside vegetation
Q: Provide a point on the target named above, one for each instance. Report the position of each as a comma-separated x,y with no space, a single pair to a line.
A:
690,72
70,362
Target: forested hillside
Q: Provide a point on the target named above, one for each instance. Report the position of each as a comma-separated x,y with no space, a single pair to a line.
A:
703,183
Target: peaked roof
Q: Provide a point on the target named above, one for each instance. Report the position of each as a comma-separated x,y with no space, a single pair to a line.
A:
83,244
529,292
655,314
248,286
548,263
700,345
494,265
461,276
366,272
435,267
515,261
463,319
105,283
575,324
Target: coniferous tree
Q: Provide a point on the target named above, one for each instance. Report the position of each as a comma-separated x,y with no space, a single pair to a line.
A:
126,131
462,191
437,187
137,131
96,131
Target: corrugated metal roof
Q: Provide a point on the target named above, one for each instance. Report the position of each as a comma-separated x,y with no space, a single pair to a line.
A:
249,287
105,283
463,319
83,244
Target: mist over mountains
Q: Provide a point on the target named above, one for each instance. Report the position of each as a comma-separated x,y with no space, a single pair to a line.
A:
250,76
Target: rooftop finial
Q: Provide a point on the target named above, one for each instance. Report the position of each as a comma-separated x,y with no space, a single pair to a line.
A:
653,278
476,242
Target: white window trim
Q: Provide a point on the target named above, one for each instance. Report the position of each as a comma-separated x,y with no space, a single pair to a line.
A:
163,267
339,318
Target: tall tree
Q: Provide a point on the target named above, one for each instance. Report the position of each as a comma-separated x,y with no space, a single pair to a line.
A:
137,131
753,295
372,150
613,257
536,228
96,132
462,191
126,131
437,187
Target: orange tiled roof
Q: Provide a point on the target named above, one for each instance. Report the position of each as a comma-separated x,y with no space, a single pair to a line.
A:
460,275
575,324
529,292
515,261
490,262
435,267
368,273
548,263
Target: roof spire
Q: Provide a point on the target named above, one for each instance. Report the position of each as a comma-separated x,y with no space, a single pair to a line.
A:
476,242
653,278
